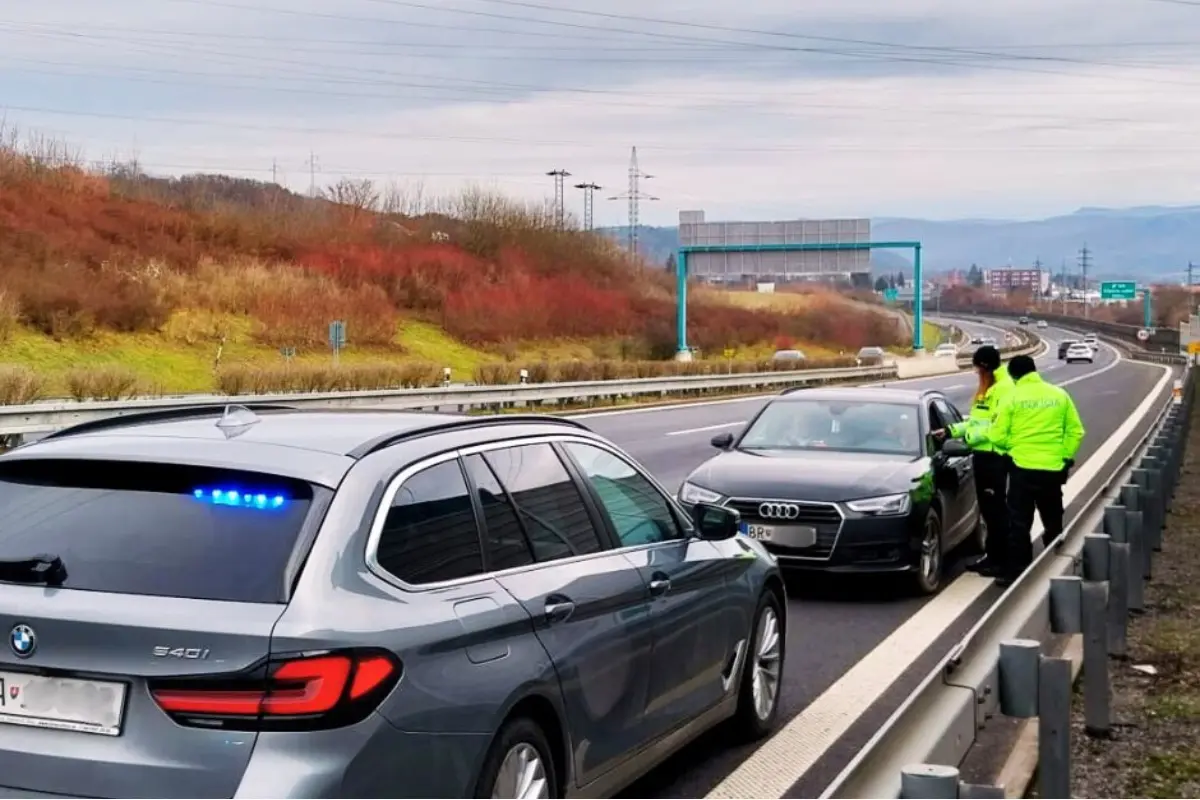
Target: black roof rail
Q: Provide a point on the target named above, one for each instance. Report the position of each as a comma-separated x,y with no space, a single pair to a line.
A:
162,415
465,423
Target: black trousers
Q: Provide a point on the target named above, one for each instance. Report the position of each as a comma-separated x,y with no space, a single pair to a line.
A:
1030,490
991,489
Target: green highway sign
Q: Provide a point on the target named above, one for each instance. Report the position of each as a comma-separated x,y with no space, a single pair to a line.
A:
1118,290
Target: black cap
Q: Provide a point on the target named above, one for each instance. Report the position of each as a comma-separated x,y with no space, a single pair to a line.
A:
1020,366
987,357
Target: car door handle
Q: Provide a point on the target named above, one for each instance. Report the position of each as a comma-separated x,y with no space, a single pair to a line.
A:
659,584
558,609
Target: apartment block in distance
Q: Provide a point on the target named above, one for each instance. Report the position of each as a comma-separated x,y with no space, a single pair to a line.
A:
1003,281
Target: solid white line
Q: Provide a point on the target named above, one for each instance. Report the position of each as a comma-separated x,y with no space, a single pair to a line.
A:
784,758
716,427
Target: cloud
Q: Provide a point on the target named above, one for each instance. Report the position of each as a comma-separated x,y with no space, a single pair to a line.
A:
772,110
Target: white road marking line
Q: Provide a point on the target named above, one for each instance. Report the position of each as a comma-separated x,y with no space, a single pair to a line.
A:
717,427
784,758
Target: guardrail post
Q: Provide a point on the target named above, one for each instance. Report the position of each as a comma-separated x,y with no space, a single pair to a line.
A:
1118,580
1097,700
1019,677
1139,561
931,781
1066,601
1155,501
1096,556
1054,727
1141,477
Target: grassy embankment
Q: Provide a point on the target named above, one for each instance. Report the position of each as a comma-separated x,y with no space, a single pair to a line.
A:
115,284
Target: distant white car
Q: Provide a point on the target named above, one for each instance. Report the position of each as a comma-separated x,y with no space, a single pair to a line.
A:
1091,339
1080,351
945,351
1042,323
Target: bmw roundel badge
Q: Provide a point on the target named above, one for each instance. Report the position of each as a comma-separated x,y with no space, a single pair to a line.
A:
22,640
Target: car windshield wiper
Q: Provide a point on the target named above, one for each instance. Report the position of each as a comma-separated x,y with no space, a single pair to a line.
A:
44,568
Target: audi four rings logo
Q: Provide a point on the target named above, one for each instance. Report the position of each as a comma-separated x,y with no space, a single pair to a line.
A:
778,511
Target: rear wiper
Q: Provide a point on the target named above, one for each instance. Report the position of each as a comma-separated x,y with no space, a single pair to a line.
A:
44,568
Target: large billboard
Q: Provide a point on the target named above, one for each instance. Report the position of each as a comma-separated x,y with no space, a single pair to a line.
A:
780,265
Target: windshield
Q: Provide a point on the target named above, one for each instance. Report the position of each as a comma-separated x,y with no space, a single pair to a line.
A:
840,426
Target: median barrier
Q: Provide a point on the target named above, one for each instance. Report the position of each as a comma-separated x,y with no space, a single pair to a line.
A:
1080,590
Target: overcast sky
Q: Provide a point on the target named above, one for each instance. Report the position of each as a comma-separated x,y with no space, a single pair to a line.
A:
759,109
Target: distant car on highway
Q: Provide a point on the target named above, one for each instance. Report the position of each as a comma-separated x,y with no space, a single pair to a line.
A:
1080,351
1042,323
1023,321
262,602
945,351
1091,339
1064,346
989,340
787,355
870,356
976,339
848,480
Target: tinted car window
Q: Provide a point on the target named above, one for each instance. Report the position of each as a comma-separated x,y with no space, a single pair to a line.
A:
504,537
548,501
430,534
639,512
155,529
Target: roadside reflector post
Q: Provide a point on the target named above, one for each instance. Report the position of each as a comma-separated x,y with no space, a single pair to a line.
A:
1095,556
1139,560
930,781
1066,601
1097,691
1019,677
1054,727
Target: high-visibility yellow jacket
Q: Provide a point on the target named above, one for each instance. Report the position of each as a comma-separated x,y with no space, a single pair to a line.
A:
1037,425
983,414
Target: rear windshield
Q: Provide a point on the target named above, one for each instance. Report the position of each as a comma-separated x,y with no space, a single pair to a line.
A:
155,529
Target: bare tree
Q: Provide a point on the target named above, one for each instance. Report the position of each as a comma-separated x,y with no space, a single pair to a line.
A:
360,195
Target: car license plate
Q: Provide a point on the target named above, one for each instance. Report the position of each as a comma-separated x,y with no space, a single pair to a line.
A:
785,535
68,704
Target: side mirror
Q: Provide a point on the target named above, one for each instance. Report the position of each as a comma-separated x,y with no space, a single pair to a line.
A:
722,441
955,448
716,523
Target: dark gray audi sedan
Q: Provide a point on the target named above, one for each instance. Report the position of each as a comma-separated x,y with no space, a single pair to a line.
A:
262,602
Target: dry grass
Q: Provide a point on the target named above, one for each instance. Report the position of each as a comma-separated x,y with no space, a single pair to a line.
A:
103,383
20,385
240,379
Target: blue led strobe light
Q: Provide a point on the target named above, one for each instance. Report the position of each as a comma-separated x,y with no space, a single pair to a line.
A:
240,498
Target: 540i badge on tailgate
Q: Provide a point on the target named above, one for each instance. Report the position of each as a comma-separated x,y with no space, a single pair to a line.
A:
163,651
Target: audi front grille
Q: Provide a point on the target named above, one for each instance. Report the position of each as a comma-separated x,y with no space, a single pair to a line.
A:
825,517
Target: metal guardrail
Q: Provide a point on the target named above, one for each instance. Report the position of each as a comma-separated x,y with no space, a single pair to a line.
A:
918,750
43,417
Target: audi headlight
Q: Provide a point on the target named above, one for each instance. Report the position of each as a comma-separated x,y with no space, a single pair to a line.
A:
885,506
691,494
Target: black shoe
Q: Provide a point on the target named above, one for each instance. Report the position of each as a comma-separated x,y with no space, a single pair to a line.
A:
984,567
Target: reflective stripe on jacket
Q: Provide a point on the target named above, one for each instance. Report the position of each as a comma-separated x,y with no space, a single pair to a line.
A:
983,414
1037,424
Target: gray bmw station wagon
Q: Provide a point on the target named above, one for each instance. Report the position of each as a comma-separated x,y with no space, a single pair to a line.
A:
254,601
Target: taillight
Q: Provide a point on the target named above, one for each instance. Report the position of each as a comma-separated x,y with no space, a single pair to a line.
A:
325,690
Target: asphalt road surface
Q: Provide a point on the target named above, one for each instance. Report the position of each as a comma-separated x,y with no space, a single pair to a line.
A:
836,622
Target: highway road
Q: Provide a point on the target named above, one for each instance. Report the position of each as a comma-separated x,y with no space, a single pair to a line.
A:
837,622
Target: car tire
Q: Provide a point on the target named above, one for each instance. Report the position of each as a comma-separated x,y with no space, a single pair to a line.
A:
930,565
762,671
519,757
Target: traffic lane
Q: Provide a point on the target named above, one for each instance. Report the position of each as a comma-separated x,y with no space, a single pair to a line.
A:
836,620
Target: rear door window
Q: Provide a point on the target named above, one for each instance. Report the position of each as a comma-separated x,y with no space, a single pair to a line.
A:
155,529
431,534
549,503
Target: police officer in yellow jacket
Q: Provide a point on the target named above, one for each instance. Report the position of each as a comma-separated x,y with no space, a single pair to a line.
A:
1039,426
990,461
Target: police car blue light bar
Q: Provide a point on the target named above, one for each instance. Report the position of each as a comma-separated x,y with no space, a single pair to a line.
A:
240,498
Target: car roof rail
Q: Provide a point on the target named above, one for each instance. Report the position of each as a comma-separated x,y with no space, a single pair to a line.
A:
162,415
388,439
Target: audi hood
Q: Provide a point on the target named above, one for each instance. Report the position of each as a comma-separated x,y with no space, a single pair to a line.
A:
808,474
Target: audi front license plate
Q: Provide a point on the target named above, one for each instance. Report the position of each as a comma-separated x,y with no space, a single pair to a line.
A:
786,535
67,704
